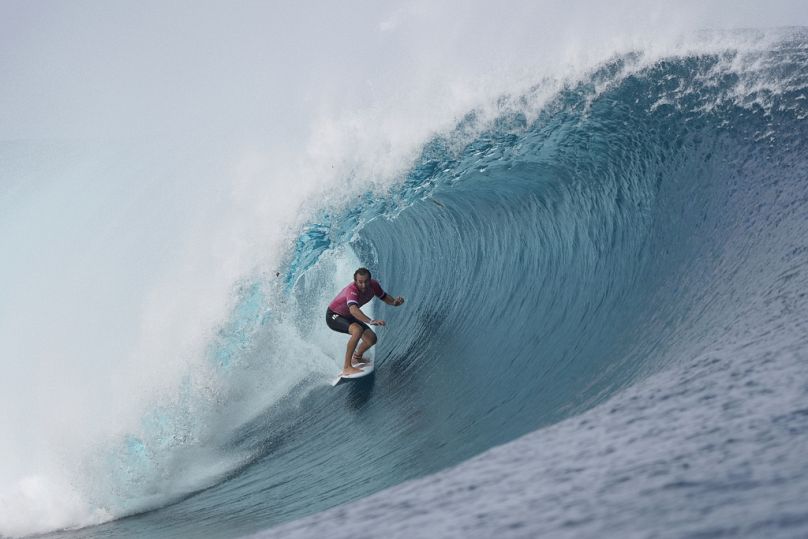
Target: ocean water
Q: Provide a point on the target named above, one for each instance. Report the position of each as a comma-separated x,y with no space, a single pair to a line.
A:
600,233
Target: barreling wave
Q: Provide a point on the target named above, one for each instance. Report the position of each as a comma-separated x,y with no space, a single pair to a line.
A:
548,259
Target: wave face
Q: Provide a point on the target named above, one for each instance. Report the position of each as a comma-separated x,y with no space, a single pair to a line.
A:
648,219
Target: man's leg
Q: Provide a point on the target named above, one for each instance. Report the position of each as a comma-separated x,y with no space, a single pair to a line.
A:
368,340
356,333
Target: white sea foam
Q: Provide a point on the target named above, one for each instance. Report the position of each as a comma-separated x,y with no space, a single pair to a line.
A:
36,504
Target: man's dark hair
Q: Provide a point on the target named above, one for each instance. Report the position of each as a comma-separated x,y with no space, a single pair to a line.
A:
362,272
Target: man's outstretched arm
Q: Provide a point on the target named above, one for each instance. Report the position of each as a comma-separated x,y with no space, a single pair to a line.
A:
394,301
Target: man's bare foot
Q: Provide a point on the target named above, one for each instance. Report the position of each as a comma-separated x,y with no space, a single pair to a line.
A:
359,360
350,370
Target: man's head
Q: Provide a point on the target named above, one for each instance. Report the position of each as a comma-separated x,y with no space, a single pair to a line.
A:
362,278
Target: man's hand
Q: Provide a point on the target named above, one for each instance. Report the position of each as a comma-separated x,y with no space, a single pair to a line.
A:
376,322
398,301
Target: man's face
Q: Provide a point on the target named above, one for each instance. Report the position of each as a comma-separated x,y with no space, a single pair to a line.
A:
362,282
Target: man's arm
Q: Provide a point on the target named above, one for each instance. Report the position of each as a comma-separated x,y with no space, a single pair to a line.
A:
357,313
394,301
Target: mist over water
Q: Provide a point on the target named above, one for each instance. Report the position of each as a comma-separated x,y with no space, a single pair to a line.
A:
158,165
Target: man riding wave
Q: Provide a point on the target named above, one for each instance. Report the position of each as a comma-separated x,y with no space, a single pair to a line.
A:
344,314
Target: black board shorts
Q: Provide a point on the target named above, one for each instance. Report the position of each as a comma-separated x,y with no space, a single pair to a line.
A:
340,323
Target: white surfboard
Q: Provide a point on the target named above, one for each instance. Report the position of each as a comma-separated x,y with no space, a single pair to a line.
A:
367,368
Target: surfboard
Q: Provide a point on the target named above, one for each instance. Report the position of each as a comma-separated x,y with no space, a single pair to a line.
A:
367,368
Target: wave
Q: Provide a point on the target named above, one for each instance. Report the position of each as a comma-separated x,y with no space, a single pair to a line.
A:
645,220
552,253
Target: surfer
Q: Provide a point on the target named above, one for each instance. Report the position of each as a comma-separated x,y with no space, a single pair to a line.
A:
345,316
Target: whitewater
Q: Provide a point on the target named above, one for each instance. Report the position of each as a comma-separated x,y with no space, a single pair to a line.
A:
597,215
